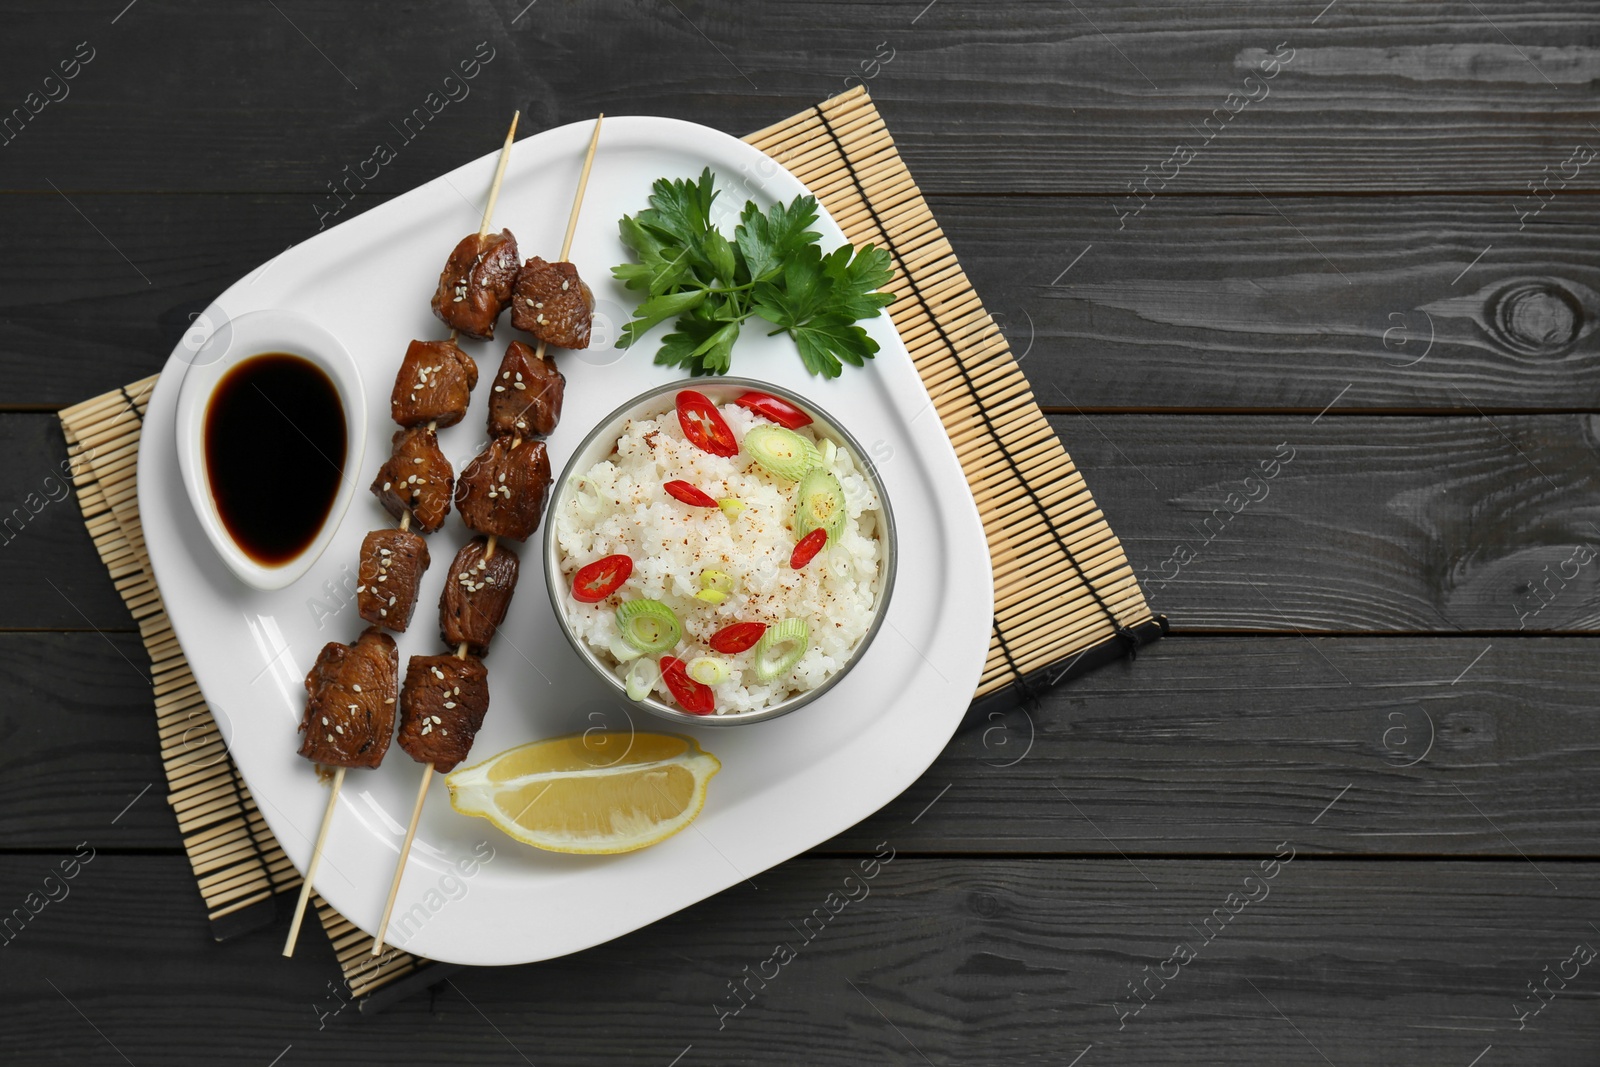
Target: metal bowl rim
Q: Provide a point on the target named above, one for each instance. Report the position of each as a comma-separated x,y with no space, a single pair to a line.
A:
556,585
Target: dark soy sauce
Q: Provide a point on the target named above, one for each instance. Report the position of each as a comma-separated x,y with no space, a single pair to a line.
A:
274,444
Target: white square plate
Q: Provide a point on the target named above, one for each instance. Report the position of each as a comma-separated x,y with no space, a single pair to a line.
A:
785,785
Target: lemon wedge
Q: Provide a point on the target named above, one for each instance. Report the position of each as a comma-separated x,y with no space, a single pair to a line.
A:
595,793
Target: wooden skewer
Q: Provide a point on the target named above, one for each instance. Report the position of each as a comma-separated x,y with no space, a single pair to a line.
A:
488,552
405,852
499,173
405,846
566,250
311,865
583,183
405,523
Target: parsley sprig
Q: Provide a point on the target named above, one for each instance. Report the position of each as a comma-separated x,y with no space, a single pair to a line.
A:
773,268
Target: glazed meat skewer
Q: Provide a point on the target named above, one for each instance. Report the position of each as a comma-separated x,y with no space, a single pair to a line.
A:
397,405
432,389
566,250
470,711
355,686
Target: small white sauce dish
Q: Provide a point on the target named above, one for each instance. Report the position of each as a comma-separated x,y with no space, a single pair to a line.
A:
254,334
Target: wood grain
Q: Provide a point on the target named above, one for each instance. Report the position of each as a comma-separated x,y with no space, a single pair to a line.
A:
48,567
1072,98
1272,303
937,961
1449,747
78,734
1204,745
1375,524
1371,201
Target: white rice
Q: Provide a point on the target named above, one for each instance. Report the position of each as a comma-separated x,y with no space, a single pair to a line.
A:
619,506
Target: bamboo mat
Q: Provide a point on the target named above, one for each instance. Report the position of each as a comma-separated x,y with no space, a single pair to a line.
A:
1065,596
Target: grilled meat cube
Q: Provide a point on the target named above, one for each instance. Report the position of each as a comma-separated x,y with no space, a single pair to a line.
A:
441,708
526,398
476,283
391,568
503,491
477,593
416,478
553,304
350,696
434,384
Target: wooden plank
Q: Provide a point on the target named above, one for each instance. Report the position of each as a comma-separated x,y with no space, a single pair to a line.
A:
936,961
81,759
1365,524
1215,302
1050,98
1206,746
93,322
1246,302
48,566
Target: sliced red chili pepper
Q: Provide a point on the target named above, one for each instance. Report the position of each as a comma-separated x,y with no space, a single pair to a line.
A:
601,578
775,408
737,637
693,697
687,493
704,426
807,549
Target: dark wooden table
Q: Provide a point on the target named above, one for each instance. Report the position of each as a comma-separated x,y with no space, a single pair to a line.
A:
1373,272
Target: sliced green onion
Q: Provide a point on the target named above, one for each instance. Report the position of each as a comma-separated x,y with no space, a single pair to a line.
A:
622,650
829,450
709,670
819,504
587,499
714,586
731,507
648,625
781,647
641,678
779,451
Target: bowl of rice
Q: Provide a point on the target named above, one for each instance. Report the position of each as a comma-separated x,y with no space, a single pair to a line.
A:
719,551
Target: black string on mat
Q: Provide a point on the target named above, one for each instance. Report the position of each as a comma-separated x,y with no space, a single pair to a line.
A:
1125,633
244,813
132,404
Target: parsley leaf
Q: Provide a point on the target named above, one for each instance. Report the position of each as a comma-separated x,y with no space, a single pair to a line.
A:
799,293
659,309
857,281
679,208
773,267
825,341
767,239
